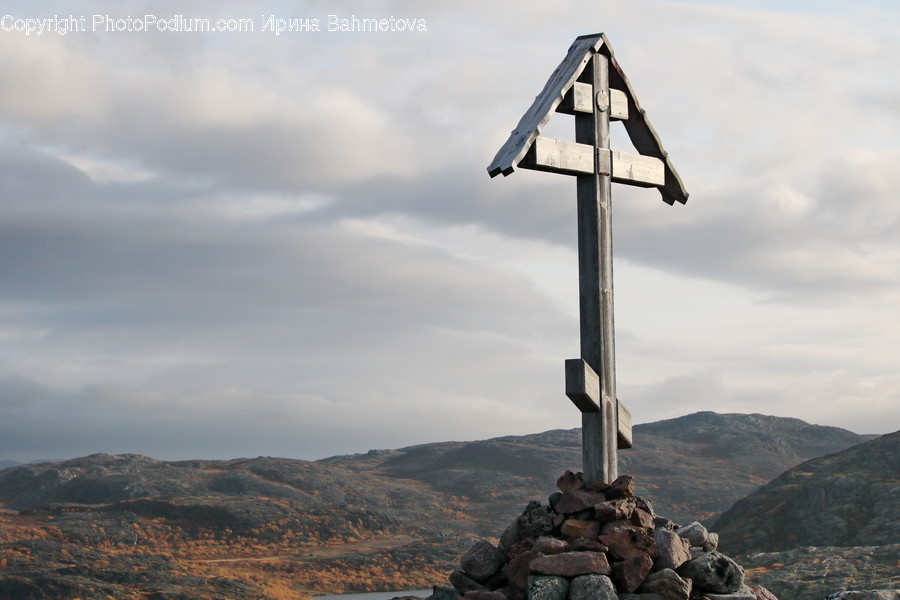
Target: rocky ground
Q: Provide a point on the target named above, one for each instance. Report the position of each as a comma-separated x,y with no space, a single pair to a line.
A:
849,498
811,573
831,523
272,528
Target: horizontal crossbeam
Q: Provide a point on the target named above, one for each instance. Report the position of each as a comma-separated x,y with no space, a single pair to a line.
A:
579,99
624,437
583,389
582,385
571,158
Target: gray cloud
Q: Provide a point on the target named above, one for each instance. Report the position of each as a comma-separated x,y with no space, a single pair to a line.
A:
289,245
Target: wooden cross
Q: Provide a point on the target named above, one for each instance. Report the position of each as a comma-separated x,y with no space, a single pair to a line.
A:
590,84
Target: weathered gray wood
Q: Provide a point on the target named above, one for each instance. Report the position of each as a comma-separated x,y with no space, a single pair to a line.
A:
637,169
607,324
618,105
578,99
586,93
544,105
642,134
571,158
593,449
582,385
559,156
583,388
625,437
595,286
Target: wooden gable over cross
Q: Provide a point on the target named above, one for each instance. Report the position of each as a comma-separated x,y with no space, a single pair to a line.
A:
590,84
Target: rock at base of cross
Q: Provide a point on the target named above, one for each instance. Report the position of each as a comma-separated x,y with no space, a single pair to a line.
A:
599,541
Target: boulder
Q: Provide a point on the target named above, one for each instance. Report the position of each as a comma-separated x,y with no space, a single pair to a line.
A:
518,571
628,575
578,528
463,583
644,504
596,486
535,521
547,587
642,518
672,550
668,584
612,526
575,501
483,595
550,545
592,587
443,593
742,594
760,592
509,537
622,487
570,481
627,541
663,523
522,547
615,510
482,561
586,545
695,533
713,572
571,564
553,500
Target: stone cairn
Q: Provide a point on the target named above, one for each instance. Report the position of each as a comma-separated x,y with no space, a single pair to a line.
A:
598,542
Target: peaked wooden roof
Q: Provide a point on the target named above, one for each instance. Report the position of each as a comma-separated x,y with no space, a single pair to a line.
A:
640,131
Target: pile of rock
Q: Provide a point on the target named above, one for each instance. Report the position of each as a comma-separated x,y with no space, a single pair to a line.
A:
598,542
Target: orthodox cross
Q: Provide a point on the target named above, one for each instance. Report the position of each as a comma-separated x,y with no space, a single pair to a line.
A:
590,84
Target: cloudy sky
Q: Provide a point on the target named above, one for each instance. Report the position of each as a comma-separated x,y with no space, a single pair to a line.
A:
242,243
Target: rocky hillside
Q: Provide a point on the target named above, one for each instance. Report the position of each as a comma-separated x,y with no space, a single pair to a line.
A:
267,528
133,527
850,498
814,572
692,467
830,523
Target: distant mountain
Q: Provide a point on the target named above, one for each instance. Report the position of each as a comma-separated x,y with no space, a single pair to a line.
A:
828,524
692,467
386,519
5,464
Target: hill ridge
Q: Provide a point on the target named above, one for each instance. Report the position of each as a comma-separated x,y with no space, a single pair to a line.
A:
385,519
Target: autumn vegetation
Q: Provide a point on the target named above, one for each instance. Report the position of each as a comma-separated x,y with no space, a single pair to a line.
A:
283,562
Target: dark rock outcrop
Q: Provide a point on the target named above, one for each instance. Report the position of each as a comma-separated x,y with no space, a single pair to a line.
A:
851,498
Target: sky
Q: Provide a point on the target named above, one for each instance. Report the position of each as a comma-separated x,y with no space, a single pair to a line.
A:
261,243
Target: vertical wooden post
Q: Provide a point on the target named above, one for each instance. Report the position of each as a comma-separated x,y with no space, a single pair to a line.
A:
599,429
580,86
